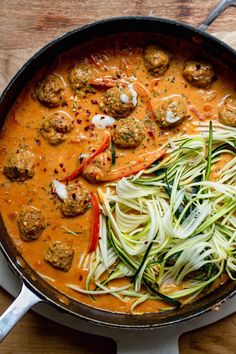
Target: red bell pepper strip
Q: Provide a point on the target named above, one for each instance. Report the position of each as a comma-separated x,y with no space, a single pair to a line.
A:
89,159
107,82
131,169
95,224
142,91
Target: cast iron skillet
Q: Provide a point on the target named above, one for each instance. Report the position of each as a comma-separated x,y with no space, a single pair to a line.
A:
35,289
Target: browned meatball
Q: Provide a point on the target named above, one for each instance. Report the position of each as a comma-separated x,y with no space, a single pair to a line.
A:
128,133
19,165
156,59
117,102
31,223
49,91
77,201
55,128
99,166
199,73
227,112
78,77
171,112
60,255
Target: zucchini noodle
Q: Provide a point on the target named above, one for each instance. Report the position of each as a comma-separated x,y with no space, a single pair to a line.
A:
169,232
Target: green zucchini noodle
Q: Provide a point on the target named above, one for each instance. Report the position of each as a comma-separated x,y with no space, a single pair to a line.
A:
170,231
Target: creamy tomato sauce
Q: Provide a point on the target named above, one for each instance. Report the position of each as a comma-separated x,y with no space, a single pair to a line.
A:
120,58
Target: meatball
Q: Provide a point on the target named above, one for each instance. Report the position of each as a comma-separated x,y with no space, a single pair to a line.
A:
77,201
78,77
99,166
31,223
128,133
49,91
55,128
117,102
171,112
60,255
227,112
199,73
20,165
156,59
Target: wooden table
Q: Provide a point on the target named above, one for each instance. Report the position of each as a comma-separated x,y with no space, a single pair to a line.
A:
26,25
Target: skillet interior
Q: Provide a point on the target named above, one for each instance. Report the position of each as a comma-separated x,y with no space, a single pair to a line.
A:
129,24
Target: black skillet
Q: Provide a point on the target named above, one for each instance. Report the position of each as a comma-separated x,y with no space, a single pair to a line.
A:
36,290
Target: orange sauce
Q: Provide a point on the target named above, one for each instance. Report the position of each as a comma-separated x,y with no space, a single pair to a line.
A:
54,162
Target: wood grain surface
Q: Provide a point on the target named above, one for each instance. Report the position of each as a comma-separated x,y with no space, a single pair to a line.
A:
26,25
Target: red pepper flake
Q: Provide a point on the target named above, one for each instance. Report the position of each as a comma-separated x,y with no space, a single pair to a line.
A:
64,170
151,132
89,127
64,104
61,165
44,170
155,83
79,107
55,171
94,101
12,215
88,113
79,121
207,107
38,142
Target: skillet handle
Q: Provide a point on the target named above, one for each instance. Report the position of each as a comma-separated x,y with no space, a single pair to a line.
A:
25,300
223,5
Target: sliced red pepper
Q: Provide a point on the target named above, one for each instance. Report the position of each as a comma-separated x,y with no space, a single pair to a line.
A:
95,224
142,91
89,159
107,82
132,169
